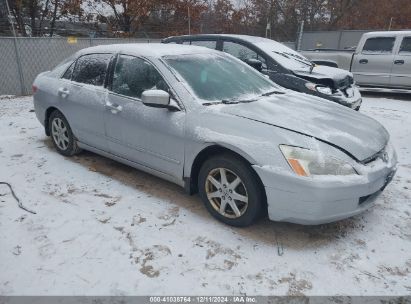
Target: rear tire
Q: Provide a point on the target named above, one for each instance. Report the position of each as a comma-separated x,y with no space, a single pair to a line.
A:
231,190
61,135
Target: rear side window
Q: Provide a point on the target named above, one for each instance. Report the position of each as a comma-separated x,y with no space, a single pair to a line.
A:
58,70
206,43
132,76
405,47
69,72
91,69
379,45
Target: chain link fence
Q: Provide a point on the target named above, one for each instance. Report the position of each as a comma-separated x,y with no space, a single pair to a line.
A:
331,39
22,59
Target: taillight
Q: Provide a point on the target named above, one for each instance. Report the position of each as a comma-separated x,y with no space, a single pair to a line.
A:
34,89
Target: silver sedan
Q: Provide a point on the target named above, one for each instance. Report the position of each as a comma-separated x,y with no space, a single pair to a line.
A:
213,125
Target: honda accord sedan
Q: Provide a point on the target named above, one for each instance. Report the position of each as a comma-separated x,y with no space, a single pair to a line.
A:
210,123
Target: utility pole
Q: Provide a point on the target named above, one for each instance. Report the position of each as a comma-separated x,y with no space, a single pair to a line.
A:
300,36
16,49
268,28
189,20
389,27
9,17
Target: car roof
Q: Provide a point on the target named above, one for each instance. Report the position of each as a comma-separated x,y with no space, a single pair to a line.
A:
246,38
252,39
147,49
387,33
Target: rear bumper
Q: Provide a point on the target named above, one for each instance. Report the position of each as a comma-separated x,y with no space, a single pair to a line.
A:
312,201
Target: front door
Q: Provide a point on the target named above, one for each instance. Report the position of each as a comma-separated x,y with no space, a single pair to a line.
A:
151,137
373,65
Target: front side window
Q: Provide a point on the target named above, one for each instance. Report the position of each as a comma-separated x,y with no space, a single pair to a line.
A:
132,76
205,43
91,69
214,77
406,46
242,52
379,45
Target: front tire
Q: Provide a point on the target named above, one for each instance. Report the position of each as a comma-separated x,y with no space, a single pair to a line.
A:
61,135
231,190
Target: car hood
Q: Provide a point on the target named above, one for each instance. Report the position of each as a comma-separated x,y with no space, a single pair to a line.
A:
356,134
323,72
338,78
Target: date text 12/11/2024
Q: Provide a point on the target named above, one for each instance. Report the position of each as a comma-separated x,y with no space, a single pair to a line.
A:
203,299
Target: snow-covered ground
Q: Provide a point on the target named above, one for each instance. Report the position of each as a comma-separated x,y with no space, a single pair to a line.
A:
103,228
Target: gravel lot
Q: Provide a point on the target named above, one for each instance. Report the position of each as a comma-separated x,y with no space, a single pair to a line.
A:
103,228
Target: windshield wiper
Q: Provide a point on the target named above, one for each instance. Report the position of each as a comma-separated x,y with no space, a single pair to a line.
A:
292,56
271,93
229,101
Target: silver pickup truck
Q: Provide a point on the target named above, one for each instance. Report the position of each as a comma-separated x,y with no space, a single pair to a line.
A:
381,60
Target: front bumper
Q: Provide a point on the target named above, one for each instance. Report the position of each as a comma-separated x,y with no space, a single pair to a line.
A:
312,201
351,100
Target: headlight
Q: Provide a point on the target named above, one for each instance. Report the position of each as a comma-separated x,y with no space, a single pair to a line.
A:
324,90
306,162
319,88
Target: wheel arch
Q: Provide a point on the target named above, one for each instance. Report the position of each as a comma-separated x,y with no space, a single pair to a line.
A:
190,182
47,118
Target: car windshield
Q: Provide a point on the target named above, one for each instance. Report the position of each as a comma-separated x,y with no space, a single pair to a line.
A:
285,56
215,77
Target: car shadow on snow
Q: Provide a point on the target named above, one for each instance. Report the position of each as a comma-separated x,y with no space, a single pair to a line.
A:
289,235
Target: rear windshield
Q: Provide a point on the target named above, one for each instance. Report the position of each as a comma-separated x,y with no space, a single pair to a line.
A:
215,77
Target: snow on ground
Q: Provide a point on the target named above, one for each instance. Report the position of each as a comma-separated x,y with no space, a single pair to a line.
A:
103,228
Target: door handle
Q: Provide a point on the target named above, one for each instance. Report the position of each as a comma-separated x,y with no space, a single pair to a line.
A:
63,92
114,108
399,62
363,61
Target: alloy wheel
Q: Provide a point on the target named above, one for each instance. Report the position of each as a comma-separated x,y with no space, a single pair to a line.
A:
226,193
60,133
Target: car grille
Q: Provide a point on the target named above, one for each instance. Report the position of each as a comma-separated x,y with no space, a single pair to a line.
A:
345,82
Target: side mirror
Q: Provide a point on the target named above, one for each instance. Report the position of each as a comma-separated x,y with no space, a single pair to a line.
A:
255,63
156,98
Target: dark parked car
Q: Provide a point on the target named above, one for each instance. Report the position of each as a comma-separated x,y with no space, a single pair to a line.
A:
283,65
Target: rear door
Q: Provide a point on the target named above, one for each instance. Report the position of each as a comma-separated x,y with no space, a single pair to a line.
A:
374,64
401,70
84,98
